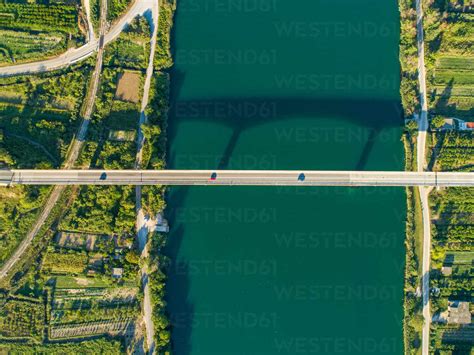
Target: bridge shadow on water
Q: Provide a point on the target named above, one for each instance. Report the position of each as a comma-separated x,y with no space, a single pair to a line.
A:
241,114
244,113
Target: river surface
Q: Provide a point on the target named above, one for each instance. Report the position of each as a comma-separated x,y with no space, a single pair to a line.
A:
273,84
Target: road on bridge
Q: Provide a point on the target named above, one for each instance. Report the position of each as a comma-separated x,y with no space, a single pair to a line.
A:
235,177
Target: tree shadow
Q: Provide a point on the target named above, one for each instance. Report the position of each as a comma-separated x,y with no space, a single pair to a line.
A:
439,144
442,105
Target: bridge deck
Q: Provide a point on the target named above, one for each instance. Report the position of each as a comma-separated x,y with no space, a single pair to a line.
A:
234,177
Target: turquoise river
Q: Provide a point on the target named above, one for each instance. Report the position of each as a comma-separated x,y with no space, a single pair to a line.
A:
274,84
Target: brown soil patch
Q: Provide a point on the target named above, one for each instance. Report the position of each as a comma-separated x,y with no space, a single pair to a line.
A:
81,281
128,87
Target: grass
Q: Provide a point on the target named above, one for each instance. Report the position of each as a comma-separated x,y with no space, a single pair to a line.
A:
460,257
418,234
88,347
454,91
447,76
71,282
454,62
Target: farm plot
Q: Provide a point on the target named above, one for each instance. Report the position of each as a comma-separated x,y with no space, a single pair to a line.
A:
455,151
88,347
131,49
67,311
454,77
59,263
453,210
80,283
39,17
128,87
21,46
123,327
35,31
22,319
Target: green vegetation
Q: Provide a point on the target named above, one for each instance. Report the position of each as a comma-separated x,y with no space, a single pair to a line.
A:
70,263
95,14
449,35
157,277
132,48
408,57
91,347
21,318
102,209
454,151
83,282
17,46
67,311
452,238
32,31
38,17
38,117
413,318
163,59
116,8
43,111
453,235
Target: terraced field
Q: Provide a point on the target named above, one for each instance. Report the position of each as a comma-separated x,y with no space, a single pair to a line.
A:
21,45
33,31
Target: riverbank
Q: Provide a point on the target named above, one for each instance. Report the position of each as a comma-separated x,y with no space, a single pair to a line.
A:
153,197
409,92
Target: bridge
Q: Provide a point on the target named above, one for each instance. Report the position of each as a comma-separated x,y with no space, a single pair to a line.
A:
235,177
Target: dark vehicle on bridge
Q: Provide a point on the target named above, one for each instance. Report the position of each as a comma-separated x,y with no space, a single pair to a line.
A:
301,177
213,176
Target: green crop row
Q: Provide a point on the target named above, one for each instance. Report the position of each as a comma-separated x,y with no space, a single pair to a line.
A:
39,17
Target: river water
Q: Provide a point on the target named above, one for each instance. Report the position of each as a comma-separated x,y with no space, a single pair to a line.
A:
273,84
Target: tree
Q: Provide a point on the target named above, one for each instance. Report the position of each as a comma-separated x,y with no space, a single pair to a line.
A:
437,122
411,126
132,257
